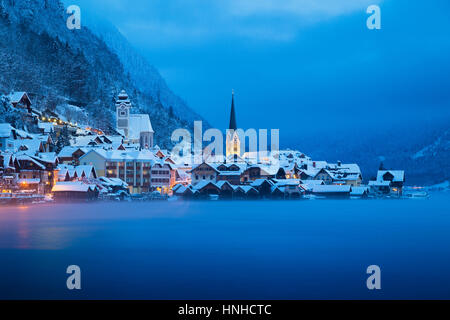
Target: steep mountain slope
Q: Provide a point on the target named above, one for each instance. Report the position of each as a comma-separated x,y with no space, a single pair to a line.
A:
144,76
56,65
422,151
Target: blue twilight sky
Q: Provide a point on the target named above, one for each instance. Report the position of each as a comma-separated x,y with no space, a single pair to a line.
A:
304,66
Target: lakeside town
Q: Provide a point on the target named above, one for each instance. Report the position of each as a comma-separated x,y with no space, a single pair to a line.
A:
53,159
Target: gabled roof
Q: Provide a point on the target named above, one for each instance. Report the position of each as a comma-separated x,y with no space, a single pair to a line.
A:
313,182
245,189
48,157
359,191
399,175
139,123
287,182
331,189
73,186
5,130
202,184
378,183
113,182
277,189
220,184
259,182
68,151
211,165
46,127
17,96
24,157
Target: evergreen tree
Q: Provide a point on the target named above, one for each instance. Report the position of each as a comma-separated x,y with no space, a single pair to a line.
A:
63,139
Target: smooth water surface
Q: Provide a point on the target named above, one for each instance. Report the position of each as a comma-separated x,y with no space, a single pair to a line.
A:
228,250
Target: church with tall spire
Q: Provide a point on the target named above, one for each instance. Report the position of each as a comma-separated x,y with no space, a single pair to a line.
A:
233,143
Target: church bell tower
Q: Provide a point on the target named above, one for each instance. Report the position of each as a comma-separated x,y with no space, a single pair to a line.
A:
123,106
233,143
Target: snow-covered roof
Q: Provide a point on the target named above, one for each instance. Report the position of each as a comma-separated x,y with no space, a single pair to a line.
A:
46,127
176,187
74,186
212,165
127,155
359,191
204,183
399,175
287,182
28,146
7,157
139,123
24,157
247,189
220,184
259,182
331,189
113,182
68,151
15,97
378,183
280,189
230,173
49,157
5,130
313,182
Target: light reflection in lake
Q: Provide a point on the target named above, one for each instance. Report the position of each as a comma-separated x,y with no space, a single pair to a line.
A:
228,250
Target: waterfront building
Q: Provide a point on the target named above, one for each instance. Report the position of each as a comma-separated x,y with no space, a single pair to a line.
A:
140,169
388,182
36,174
74,191
204,172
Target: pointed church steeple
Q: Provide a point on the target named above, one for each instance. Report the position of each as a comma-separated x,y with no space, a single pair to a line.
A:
233,142
233,125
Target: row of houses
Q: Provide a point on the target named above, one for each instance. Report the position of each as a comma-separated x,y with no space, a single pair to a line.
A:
269,189
244,172
129,159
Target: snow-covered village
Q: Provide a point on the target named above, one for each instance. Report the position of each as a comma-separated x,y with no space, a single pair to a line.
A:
53,159
232,151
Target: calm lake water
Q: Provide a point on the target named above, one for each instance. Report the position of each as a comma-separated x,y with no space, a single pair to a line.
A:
228,250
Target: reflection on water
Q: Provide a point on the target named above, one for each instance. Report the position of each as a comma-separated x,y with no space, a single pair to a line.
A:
214,250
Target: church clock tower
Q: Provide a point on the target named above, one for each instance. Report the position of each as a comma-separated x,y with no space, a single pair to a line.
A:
123,106
233,142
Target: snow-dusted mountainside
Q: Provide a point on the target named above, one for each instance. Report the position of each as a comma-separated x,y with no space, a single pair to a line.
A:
144,76
422,151
59,67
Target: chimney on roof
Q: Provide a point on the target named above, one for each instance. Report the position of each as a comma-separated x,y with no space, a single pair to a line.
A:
339,163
